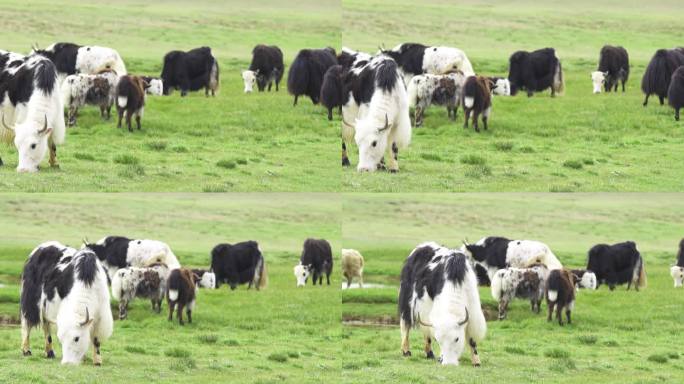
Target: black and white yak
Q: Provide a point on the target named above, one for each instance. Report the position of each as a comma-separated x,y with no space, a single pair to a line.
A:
31,110
375,114
494,253
205,278
425,90
131,282
535,71
71,58
585,279
190,71
617,264
560,293
439,294
266,68
659,72
316,260
675,92
613,68
524,283
305,77
241,263
80,89
117,252
67,287
415,59
677,271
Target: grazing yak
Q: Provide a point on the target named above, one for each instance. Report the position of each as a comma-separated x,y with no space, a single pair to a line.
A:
560,293
659,72
190,71
130,99
535,72
677,271
81,89
131,282
438,292
71,58
240,263
415,59
117,252
477,99
675,92
332,89
524,283
206,278
613,68
316,260
494,253
375,114
31,110
266,68
305,77
585,279
425,90
67,287
617,264
156,87
352,266
180,290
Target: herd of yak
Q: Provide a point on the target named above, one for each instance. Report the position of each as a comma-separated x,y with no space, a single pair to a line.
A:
375,111
71,287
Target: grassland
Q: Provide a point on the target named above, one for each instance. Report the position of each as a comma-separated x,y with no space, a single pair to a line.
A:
616,337
577,142
281,334
233,142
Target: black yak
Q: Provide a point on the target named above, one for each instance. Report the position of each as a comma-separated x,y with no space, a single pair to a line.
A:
617,264
613,68
316,260
240,263
306,72
266,68
332,90
535,72
675,92
190,71
657,77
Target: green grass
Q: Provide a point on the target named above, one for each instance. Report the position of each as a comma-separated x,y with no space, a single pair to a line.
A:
615,337
280,334
293,149
530,141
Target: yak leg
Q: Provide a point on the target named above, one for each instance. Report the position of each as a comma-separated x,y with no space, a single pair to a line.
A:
551,304
295,100
53,155
123,306
25,338
188,311
97,358
503,305
616,86
349,279
476,116
405,328
361,281
72,116
179,313
49,353
568,309
646,100
345,159
418,116
172,305
327,278
485,117
394,157
467,117
428,344
137,118
662,99
559,315
120,112
676,114
474,357
330,117
128,121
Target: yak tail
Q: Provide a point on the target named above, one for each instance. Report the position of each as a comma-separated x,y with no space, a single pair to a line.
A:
558,81
641,280
496,286
214,76
261,274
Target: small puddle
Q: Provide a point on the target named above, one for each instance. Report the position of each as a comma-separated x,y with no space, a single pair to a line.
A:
361,321
365,286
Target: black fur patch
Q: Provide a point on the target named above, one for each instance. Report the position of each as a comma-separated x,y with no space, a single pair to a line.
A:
63,55
86,267
492,252
305,76
456,267
613,264
39,265
386,75
113,251
409,57
657,77
268,60
532,71
187,71
235,264
45,77
317,253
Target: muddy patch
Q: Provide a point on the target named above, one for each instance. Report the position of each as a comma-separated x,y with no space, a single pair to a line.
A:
7,320
370,321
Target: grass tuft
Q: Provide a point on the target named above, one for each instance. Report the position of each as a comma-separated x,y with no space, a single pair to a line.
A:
228,164
177,352
125,159
278,357
472,160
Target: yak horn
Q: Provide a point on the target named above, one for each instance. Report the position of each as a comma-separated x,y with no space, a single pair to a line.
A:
85,241
461,323
386,125
5,125
424,324
347,124
87,319
44,127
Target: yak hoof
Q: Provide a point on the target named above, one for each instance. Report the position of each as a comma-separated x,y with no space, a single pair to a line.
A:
430,355
50,354
405,353
345,162
393,170
27,353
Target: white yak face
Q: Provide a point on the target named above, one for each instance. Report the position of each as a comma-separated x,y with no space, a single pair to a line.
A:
372,143
74,337
249,78
156,87
31,140
208,280
502,87
677,274
588,280
302,273
451,338
598,78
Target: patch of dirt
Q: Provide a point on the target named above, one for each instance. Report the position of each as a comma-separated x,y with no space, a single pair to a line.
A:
7,320
376,321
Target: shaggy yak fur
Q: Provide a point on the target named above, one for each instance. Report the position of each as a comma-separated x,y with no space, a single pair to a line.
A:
659,72
305,77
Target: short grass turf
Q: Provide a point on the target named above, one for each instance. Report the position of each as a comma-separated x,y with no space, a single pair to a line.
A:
576,142
616,337
233,142
280,334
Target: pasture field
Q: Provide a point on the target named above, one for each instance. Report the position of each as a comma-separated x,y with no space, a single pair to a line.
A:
233,142
577,142
616,337
280,334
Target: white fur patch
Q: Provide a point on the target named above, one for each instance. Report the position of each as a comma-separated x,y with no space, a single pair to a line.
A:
173,294
469,101
553,295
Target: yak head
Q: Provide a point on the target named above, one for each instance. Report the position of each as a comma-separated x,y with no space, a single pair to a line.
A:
501,86
74,335
588,280
250,78
598,78
302,273
451,336
156,87
31,141
677,274
208,280
372,143
476,251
